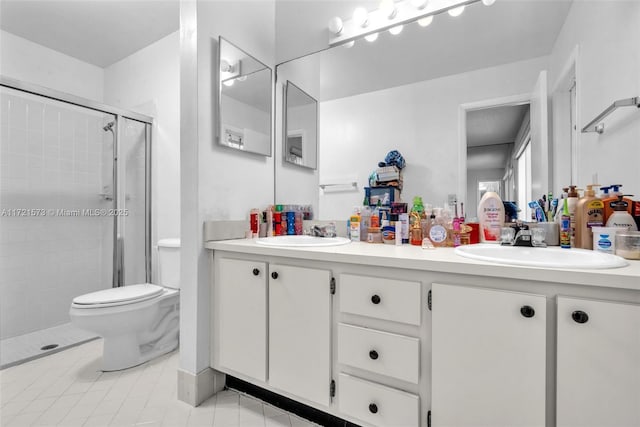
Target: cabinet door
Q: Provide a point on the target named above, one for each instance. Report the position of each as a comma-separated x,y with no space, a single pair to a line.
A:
488,357
598,371
241,304
300,331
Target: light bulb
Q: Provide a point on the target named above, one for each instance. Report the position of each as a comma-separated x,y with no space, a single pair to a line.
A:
488,2
456,11
350,44
229,82
335,25
371,37
396,30
419,4
361,17
388,8
424,22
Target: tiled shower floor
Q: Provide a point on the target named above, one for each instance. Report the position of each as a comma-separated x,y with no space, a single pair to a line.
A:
29,346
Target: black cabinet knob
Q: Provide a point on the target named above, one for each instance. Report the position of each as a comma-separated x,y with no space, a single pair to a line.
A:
373,408
256,271
527,311
274,275
373,354
375,299
580,316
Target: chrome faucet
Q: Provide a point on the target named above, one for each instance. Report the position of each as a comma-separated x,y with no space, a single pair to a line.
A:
328,230
523,236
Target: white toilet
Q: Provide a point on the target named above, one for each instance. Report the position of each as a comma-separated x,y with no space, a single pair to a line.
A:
137,322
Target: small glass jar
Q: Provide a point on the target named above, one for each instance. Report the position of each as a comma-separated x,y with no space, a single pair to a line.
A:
374,235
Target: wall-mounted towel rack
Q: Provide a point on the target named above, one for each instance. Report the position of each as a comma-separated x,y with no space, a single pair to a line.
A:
341,186
599,128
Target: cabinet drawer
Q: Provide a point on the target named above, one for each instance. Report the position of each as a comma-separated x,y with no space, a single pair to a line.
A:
377,404
388,299
383,353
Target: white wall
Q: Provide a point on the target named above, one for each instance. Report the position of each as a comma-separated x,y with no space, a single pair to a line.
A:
33,63
216,182
608,38
420,120
149,82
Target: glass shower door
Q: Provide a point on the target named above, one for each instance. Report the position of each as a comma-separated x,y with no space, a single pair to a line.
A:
135,196
56,186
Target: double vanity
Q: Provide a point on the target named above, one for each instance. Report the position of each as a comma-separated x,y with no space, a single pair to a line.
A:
384,335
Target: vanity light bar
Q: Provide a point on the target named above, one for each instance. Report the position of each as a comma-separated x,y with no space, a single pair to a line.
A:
378,20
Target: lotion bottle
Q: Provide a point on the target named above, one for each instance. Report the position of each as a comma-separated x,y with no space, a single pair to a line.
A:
491,214
620,217
572,202
589,213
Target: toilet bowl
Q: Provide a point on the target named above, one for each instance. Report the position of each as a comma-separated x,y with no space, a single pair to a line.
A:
137,322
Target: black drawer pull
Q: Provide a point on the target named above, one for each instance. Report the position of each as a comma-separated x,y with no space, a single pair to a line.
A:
373,354
256,271
527,311
580,316
373,408
274,275
375,299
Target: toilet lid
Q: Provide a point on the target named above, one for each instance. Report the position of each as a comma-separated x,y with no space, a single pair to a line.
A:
129,293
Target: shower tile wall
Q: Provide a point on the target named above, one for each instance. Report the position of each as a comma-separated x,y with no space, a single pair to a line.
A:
53,157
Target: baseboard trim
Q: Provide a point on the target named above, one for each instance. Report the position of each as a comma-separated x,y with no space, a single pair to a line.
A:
196,388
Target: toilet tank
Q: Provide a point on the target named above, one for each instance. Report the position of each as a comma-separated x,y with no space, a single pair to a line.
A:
169,263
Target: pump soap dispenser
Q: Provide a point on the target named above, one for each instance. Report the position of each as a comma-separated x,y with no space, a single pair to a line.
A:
589,213
620,217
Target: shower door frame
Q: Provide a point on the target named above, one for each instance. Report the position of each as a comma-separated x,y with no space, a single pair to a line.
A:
118,189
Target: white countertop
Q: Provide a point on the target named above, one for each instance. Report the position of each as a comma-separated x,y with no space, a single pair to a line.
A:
437,260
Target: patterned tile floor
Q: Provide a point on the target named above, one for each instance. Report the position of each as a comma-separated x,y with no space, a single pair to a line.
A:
68,389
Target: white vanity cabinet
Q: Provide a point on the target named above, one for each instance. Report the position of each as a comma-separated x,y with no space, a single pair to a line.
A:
598,363
390,361
240,301
300,331
272,323
488,357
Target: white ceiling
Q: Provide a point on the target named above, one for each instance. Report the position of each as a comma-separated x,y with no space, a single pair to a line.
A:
100,32
497,125
491,133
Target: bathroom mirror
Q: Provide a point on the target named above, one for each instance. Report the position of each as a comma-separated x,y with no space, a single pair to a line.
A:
300,140
411,92
245,102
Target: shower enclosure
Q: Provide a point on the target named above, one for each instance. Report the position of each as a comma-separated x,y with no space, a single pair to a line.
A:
75,211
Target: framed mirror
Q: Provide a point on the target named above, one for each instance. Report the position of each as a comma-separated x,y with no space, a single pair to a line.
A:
244,101
300,140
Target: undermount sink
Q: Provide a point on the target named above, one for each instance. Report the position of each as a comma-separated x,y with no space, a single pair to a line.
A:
302,241
553,257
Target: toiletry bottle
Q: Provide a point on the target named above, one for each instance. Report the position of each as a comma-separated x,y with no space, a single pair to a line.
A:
365,222
620,216
354,226
491,214
565,226
437,231
589,213
254,222
404,220
291,222
270,221
612,197
565,193
572,202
